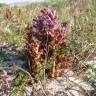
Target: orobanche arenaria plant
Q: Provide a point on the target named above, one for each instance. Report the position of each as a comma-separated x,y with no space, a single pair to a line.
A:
46,41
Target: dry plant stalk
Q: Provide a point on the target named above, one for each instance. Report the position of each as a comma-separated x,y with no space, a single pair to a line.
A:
19,12
8,13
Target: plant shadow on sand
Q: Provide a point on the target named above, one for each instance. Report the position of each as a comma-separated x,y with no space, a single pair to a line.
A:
10,54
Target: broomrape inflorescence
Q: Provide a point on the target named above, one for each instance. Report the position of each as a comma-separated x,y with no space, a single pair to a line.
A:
46,41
